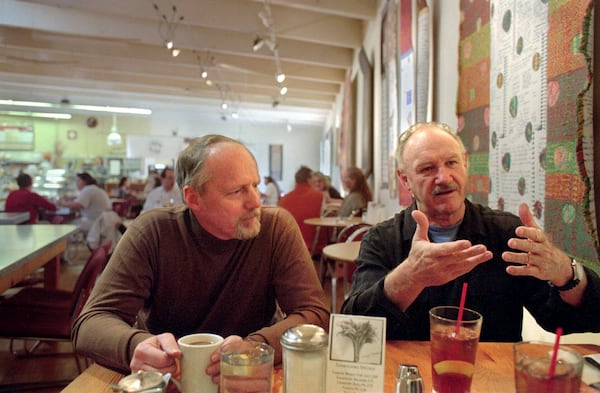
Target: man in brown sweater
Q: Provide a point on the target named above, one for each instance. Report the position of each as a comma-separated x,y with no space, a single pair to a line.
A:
219,264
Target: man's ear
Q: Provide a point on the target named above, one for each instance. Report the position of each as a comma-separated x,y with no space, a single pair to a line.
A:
402,179
190,196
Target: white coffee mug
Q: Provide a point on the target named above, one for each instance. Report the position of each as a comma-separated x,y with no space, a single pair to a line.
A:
195,357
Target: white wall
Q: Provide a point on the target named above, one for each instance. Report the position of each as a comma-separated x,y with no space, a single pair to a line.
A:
300,145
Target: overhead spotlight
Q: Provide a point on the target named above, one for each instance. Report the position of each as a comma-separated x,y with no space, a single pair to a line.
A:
257,43
289,127
224,106
175,52
204,74
209,82
169,44
283,90
280,77
235,115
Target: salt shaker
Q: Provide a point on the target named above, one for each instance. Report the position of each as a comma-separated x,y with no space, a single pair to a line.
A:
304,359
408,379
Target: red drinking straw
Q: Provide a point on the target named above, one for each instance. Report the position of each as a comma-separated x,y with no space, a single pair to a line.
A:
461,307
559,332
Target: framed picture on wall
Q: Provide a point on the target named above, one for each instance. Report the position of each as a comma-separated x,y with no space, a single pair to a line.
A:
16,137
276,161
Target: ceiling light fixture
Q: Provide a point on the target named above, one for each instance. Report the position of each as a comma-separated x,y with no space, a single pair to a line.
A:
257,43
167,27
114,138
91,108
45,115
266,19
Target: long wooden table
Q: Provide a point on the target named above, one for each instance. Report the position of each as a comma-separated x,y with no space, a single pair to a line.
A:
493,369
25,248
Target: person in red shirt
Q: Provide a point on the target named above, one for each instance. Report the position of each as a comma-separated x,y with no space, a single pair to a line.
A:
305,202
25,200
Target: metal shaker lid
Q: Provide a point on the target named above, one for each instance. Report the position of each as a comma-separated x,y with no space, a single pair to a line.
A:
142,381
408,379
304,338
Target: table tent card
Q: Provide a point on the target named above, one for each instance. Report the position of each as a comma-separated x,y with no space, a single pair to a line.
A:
356,356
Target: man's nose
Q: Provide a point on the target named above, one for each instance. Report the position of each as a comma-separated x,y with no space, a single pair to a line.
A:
443,175
254,198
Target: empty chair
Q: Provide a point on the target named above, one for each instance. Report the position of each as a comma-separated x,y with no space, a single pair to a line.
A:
106,227
40,323
122,207
353,230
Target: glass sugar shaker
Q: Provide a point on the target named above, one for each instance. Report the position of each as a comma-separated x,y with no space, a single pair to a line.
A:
304,359
408,379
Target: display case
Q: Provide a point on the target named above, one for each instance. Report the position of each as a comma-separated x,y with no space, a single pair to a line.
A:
55,183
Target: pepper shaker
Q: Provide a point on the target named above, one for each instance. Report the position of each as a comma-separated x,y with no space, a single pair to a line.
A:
304,359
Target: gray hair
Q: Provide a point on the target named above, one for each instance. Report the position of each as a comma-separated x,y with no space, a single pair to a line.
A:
405,136
191,160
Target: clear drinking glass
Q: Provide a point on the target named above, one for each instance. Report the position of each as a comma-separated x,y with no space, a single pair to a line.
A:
453,350
246,366
532,368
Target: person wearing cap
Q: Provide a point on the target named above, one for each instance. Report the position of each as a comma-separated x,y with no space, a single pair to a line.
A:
421,257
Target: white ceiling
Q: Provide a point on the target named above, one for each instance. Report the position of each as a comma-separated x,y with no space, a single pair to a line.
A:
111,52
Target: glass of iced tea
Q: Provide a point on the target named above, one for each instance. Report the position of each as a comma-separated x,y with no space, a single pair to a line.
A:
453,348
246,366
532,368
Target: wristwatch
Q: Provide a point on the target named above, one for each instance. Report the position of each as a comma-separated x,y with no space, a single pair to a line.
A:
578,273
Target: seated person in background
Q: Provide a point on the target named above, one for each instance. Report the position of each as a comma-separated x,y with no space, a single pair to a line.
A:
271,195
420,258
25,200
123,191
305,202
219,265
167,195
322,183
359,192
91,201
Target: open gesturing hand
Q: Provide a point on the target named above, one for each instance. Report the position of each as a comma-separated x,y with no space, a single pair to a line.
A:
539,257
439,263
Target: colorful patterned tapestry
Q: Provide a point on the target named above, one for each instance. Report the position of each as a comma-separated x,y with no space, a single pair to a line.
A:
524,113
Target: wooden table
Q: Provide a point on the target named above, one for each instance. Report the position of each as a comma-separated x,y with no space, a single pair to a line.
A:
493,369
345,252
329,222
11,218
25,248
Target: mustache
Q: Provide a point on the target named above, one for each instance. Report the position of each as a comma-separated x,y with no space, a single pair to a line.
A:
255,213
444,188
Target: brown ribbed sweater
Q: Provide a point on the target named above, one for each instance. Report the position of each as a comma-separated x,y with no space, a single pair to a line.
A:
168,274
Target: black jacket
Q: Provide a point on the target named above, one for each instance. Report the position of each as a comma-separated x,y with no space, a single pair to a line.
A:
498,296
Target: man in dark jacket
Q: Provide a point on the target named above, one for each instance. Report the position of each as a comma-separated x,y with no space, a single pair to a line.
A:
421,258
